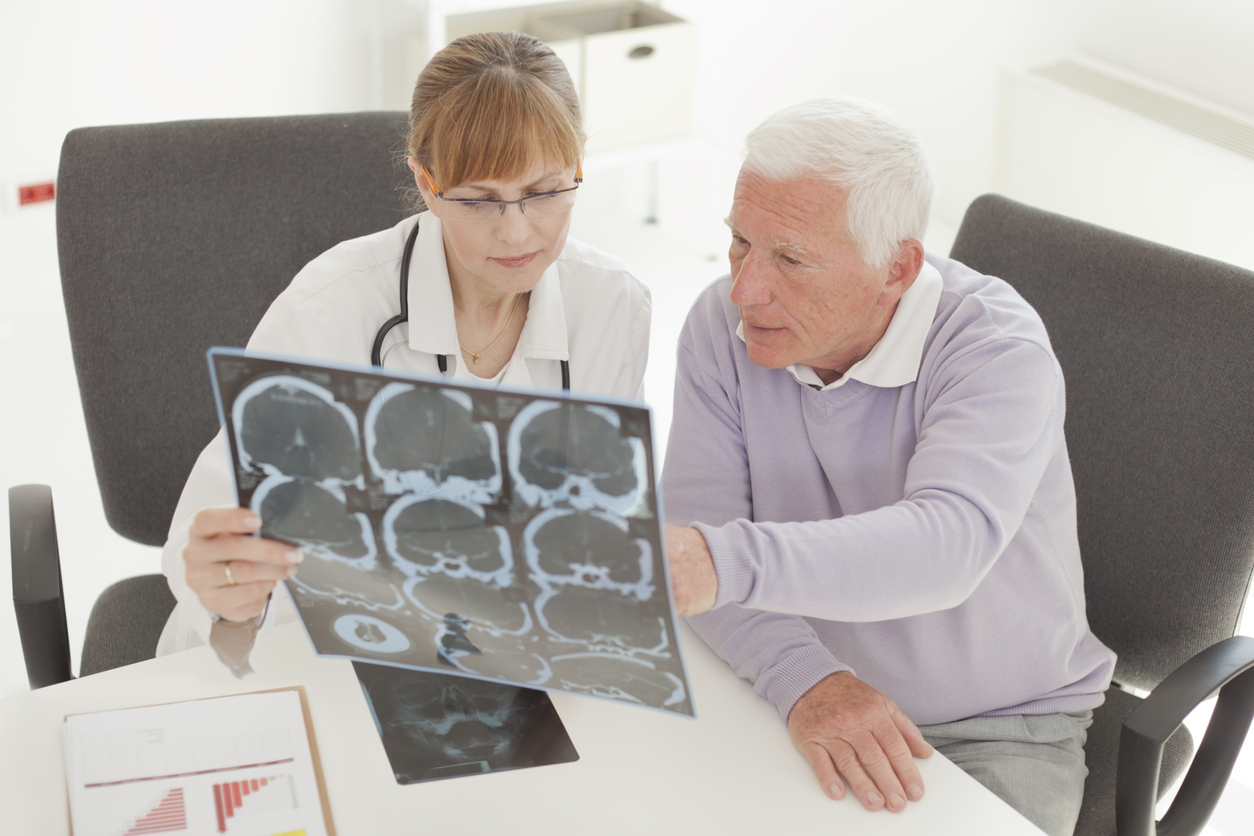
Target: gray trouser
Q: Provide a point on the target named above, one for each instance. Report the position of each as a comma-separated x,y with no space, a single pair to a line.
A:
1033,762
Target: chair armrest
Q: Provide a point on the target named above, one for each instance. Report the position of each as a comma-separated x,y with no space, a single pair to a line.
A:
1226,667
37,597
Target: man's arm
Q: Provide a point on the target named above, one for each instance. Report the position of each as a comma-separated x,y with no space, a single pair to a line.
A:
837,722
987,437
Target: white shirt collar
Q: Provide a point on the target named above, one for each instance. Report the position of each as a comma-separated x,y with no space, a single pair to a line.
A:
433,330
894,361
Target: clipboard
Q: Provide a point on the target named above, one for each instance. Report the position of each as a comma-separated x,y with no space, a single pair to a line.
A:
197,767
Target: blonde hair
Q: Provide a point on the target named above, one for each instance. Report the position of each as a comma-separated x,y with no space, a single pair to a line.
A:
487,105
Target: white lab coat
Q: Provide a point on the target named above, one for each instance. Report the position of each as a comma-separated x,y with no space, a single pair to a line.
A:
586,309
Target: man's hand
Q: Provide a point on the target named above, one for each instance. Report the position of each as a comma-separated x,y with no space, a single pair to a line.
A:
693,579
844,727
232,572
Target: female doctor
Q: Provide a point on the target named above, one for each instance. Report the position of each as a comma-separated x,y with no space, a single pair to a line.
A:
494,292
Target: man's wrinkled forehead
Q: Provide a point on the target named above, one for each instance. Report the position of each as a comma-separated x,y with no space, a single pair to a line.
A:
791,214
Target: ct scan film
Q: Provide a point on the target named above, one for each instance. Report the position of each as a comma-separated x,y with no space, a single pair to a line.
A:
435,725
499,534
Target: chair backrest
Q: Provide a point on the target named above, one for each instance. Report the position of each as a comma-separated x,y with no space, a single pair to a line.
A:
1157,351
176,237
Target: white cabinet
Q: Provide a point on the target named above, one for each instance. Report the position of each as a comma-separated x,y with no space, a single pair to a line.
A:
632,63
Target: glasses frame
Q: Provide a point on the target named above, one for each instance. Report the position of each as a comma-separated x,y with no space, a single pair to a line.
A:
522,201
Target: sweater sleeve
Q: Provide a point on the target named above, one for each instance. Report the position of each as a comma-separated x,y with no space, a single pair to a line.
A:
707,478
991,423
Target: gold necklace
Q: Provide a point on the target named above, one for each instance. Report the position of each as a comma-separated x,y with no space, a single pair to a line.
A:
475,357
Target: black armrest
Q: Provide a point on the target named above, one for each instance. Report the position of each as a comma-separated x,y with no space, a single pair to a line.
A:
1226,667
37,597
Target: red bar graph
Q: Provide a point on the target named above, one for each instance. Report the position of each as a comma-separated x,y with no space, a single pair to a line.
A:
169,815
230,797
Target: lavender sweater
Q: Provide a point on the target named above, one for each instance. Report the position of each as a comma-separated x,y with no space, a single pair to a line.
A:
922,537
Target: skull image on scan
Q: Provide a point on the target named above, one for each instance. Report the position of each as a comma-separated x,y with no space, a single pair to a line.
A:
371,634
596,581
288,425
617,677
340,543
315,518
425,440
459,570
575,454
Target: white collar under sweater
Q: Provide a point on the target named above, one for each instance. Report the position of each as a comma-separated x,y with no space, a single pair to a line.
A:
894,361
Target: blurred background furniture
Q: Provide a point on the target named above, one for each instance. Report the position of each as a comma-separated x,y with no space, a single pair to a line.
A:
173,238
1157,349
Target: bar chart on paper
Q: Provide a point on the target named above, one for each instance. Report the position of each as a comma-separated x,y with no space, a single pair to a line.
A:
233,765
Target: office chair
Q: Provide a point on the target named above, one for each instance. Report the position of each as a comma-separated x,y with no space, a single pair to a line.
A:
173,238
1157,351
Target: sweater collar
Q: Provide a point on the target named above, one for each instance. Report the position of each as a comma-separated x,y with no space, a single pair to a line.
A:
895,359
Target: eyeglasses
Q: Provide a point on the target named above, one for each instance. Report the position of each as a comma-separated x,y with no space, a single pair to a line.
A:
534,206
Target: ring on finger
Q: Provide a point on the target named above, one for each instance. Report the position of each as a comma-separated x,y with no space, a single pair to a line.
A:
230,578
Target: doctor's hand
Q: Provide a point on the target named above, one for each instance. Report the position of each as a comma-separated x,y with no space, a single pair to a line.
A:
845,728
693,579
232,572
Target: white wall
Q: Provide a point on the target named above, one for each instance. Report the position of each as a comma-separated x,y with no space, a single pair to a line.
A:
936,63
69,63
1205,47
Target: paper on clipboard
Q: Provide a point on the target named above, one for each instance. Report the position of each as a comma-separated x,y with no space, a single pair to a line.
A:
245,763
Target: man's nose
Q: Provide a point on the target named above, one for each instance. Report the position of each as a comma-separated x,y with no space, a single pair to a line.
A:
749,280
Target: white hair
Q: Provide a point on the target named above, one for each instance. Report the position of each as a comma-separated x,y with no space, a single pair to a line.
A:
863,148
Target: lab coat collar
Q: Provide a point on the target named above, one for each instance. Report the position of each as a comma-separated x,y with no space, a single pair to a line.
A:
433,329
895,359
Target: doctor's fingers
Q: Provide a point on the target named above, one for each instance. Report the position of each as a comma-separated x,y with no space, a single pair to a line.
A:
236,573
201,552
237,603
210,522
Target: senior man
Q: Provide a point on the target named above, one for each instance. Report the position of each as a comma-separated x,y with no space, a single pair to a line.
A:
868,448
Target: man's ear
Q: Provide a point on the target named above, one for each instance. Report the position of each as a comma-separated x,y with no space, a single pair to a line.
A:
903,270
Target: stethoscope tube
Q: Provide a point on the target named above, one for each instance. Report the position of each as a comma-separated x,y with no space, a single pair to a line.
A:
440,359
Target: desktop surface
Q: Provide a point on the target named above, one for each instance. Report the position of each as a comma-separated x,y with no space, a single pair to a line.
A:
732,770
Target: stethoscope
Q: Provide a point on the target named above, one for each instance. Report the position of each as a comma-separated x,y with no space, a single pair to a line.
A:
403,316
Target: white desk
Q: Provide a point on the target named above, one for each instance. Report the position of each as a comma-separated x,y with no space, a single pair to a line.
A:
733,770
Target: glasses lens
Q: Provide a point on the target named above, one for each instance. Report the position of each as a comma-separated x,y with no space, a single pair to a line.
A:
554,203
473,210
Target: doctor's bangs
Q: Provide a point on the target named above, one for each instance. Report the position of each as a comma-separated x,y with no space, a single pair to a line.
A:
497,104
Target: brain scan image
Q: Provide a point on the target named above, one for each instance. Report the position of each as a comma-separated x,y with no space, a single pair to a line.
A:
288,425
486,607
601,621
618,677
425,440
316,519
482,653
371,634
426,536
436,725
487,533
591,549
575,454
597,581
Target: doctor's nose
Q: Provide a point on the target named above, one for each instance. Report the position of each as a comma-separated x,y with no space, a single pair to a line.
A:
513,225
